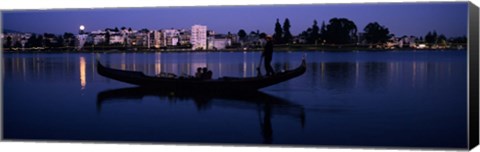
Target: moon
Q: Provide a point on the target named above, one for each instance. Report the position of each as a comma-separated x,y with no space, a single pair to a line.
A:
82,27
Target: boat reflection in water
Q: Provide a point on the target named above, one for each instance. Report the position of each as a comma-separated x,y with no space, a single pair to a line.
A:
266,105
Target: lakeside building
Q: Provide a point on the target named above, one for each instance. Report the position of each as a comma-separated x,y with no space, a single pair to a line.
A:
156,39
116,38
138,39
199,37
17,39
299,40
393,42
185,36
97,37
81,40
170,37
402,42
253,40
407,41
233,38
144,38
196,38
218,42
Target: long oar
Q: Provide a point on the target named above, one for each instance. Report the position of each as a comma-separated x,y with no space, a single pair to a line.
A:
259,72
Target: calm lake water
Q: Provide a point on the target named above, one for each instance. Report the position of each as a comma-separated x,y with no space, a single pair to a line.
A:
400,98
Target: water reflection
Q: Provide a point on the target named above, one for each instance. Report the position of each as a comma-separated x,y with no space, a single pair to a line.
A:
83,79
376,76
338,76
266,105
51,67
335,76
390,98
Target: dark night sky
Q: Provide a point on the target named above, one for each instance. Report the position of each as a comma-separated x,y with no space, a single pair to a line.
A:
401,18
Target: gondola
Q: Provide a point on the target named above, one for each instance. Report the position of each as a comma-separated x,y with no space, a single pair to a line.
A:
188,83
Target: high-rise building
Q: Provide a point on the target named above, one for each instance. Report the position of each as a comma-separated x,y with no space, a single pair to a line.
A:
155,38
199,37
170,37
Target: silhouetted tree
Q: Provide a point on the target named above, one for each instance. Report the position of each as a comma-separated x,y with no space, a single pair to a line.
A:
430,38
277,36
242,34
35,41
315,32
144,30
17,44
311,35
30,41
442,37
262,35
462,39
69,39
60,41
376,33
229,35
107,37
420,40
304,35
442,40
39,41
287,36
8,43
341,31
323,32
49,39
435,37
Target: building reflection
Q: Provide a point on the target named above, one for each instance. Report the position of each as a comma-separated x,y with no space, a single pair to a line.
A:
39,67
83,78
158,62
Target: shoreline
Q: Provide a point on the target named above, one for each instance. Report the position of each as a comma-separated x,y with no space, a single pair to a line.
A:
277,49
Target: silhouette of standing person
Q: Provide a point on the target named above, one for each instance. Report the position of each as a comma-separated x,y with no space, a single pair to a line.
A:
267,54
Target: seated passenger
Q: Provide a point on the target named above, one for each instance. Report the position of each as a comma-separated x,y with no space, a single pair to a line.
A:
199,73
204,73
209,74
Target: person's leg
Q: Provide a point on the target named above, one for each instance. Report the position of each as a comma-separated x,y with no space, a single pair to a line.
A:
270,69
268,66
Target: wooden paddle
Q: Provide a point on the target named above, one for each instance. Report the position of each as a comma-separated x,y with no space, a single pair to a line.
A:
259,72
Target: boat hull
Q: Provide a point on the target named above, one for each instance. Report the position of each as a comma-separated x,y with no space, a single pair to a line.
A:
220,84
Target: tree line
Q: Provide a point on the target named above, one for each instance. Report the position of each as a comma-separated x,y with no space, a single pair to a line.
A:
342,31
46,40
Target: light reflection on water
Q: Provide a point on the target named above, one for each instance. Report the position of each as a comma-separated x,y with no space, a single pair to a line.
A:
348,98
83,79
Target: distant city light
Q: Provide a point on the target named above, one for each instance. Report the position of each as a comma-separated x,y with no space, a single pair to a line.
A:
82,27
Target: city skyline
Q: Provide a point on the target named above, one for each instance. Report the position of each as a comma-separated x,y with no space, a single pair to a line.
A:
414,19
